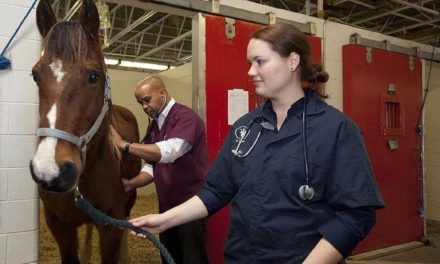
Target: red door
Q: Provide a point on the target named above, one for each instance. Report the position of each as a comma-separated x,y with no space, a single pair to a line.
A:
383,97
226,69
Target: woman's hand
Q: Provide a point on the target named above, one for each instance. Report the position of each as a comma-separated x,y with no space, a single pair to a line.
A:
153,223
156,223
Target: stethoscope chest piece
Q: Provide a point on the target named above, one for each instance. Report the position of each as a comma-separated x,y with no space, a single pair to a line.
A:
306,192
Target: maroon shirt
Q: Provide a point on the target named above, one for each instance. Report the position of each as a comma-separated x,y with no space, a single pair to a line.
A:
178,181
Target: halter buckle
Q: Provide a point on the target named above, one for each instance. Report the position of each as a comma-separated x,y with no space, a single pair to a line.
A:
82,143
78,194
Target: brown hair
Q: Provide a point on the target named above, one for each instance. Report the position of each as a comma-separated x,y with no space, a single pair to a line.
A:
68,42
285,39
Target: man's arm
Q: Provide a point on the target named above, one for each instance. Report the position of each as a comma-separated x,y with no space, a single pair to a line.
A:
144,178
148,152
166,151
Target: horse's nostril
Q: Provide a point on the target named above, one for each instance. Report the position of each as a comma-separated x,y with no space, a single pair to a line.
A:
66,179
67,169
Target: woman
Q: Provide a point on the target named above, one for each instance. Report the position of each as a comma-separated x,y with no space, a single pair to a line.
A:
295,197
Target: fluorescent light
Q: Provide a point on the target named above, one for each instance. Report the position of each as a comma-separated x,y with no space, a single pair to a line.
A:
143,65
111,61
134,64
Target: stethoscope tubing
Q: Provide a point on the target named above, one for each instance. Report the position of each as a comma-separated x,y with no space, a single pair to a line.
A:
305,192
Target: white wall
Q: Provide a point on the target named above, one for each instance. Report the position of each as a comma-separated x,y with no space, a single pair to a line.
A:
177,80
18,122
179,83
432,143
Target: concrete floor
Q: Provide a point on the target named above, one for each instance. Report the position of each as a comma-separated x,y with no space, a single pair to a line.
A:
420,255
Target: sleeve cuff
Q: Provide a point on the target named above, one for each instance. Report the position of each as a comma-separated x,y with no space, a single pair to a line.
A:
210,201
172,149
147,168
339,236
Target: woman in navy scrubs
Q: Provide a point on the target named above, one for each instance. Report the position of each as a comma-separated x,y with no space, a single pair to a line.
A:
295,197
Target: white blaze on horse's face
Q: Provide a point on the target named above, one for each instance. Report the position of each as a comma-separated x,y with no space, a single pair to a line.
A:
44,165
57,70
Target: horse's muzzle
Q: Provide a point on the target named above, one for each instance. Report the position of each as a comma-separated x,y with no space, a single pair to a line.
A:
64,182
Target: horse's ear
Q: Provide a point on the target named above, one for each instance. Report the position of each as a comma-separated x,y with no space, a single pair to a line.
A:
46,18
89,18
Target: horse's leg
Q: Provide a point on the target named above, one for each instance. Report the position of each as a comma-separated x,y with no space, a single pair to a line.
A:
110,239
86,251
124,257
66,237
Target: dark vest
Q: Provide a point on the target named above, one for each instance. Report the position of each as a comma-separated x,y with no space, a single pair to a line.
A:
178,181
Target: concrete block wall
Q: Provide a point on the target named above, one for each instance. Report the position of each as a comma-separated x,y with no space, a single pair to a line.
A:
18,122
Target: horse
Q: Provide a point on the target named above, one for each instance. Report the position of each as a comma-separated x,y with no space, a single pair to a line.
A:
75,151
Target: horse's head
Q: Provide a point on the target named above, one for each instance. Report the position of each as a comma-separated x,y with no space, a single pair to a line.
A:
71,78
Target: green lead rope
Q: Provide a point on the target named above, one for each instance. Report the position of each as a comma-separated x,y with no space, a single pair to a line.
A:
104,219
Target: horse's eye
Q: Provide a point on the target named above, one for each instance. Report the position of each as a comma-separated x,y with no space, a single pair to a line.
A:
93,77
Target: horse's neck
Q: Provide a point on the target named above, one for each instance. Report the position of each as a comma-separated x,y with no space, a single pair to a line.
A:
101,150
102,172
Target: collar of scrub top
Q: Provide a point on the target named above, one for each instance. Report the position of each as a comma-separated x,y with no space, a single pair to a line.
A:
162,115
314,106
160,118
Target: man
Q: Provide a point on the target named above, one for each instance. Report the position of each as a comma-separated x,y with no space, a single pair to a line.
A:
176,156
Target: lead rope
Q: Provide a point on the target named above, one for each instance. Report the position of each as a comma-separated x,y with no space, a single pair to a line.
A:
104,219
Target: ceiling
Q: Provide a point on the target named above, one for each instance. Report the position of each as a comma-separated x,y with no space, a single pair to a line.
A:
154,37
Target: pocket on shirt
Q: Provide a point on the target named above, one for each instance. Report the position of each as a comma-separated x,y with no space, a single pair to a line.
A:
293,176
242,169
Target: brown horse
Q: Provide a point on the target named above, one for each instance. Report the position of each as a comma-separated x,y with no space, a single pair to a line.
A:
74,149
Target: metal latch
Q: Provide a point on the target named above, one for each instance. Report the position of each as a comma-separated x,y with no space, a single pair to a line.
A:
230,28
369,54
272,18
411,63
393,144
392,89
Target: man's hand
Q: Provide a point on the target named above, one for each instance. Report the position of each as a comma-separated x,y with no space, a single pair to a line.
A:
142,179
128,185
116,138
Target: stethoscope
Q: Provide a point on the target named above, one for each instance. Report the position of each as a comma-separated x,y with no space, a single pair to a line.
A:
305,191
152,119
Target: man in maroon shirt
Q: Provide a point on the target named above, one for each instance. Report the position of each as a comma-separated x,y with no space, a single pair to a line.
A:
176,156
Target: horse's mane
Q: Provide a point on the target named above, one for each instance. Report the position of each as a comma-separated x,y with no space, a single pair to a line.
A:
68,42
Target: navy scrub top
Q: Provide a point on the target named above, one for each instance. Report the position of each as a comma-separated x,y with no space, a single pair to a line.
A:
269,222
